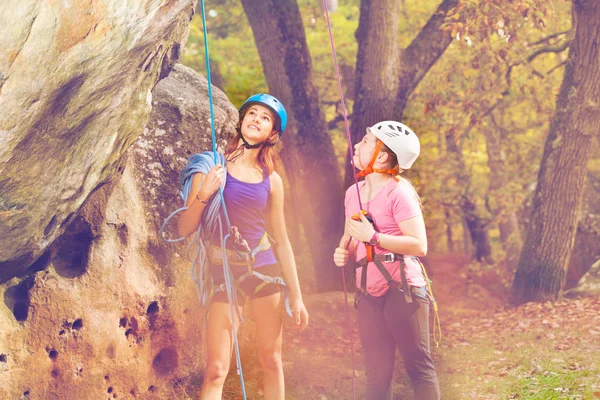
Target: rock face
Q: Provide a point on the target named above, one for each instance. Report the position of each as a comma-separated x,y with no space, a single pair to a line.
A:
179,127
75,93
589,285
112,311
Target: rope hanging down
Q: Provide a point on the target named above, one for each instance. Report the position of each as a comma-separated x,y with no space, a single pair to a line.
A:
350,152
229,279
197,251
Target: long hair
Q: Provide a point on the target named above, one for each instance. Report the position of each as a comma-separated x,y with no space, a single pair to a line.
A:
267,156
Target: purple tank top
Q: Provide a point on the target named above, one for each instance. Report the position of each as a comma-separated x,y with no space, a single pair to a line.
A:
246,204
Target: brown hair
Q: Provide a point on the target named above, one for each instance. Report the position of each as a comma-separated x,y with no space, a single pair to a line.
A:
267,157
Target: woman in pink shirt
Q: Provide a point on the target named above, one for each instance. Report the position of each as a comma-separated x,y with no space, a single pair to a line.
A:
391,296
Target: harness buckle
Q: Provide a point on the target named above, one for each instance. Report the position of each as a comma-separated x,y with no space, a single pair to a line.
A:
388,257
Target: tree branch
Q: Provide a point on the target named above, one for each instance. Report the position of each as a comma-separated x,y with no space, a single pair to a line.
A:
550,37
545,49
556,48
556,67
423,52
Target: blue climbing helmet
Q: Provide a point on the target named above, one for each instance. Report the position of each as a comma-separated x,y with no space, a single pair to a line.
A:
272,104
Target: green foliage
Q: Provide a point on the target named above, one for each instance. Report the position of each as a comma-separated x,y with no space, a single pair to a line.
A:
553,384
485,80
233,54
482,18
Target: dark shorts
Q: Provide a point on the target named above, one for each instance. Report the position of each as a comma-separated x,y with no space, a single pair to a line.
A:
249,285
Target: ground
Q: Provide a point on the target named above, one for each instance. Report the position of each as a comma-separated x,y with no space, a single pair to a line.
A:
488,351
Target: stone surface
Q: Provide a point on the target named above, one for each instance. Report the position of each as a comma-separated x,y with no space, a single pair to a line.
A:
110,310
75,91
179,127
589,285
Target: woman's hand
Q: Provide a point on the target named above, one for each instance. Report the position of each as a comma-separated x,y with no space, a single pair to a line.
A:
299,312
360,230
212,182
340,256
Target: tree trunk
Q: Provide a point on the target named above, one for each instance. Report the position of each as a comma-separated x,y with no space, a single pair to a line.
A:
557,200
449,234
478,230
508,225
385,74
474,223
307,155
467,242
512,242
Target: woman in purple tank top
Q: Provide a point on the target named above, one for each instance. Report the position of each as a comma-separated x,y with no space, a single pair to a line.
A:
253,194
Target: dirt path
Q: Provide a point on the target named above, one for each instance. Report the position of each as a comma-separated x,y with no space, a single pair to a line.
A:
537,351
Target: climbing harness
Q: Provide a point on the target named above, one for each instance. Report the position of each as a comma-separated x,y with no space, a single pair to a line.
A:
241,255
408,291
201,252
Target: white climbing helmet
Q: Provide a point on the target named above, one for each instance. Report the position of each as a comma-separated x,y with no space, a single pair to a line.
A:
400,139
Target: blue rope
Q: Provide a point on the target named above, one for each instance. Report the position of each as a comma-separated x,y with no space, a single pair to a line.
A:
197,250
229,279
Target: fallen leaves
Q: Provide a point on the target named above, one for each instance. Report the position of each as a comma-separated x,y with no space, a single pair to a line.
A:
558,336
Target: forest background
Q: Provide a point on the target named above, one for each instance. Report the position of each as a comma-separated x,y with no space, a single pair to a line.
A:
479,83
481,102
98,119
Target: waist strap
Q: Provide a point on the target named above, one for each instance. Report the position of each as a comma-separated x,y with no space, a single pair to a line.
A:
215,254
266,279
378,260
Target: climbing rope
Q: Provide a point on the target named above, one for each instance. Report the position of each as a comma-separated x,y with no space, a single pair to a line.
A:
211,219
339,82
349,137
437,328
229,279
